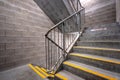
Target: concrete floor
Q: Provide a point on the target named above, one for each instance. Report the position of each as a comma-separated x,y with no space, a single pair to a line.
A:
19,73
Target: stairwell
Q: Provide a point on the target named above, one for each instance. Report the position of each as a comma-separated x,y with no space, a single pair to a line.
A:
93,57
76,52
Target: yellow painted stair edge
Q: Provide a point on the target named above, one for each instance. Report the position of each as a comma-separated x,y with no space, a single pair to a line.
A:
44,72
52,73
96,48
60,76
35,70
89,71
91,57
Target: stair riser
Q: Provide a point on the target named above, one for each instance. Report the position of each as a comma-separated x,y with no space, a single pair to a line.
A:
103,31
115,45
56,78
96,63
112,38
112,26
101,34
112,54
83,74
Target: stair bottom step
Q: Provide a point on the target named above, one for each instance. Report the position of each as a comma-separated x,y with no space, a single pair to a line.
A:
65,75
89,72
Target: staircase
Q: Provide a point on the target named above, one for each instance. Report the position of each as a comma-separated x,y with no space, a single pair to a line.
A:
95,56
74,52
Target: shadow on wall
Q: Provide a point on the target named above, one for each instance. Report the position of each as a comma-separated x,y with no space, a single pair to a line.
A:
54,9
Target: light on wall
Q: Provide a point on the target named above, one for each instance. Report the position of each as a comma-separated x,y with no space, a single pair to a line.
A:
86,1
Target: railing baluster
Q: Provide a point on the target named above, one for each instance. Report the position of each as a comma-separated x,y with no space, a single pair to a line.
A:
58,44
48,55
59,38
51,51
46,49
54,55
63,29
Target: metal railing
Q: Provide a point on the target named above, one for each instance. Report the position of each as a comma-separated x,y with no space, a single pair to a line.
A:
61,37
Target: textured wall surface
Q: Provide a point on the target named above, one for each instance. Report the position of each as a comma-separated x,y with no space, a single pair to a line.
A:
99,11
118,10
22,28
55,9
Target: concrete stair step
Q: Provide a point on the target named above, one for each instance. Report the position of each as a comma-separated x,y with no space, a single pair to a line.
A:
104,44
100,41
103,28
101,33
115,37
19,73
108,26
100,51
97,48
89,72
97,61
40,72
108,33
65,75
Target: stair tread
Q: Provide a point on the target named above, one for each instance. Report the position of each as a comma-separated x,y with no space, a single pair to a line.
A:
93,70
96,48
68,75
36,71
95,57
100,41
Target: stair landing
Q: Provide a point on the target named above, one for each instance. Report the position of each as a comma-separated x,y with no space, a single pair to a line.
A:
19,73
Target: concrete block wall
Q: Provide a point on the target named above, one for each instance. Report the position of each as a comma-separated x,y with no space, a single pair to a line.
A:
118,10
22,28
55,9
99,12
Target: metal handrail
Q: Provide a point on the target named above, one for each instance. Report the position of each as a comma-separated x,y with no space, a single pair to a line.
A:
67,50
50,40
62,21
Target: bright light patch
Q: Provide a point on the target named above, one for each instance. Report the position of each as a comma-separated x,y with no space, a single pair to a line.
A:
100,29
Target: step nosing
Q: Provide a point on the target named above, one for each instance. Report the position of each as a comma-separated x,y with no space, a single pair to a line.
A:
100,41
103,75
41,71
36,71
68,75
61,76
97,48
94,57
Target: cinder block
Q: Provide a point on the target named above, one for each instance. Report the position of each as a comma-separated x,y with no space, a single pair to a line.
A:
22,28
2,46
13,45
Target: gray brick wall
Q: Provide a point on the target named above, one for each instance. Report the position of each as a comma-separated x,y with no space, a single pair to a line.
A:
99,12
22,28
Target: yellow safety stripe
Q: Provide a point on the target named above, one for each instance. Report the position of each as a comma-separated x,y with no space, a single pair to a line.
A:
44,72
96,48
92,57
41,71
44,69
35,70
89,71
60,76
52,73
